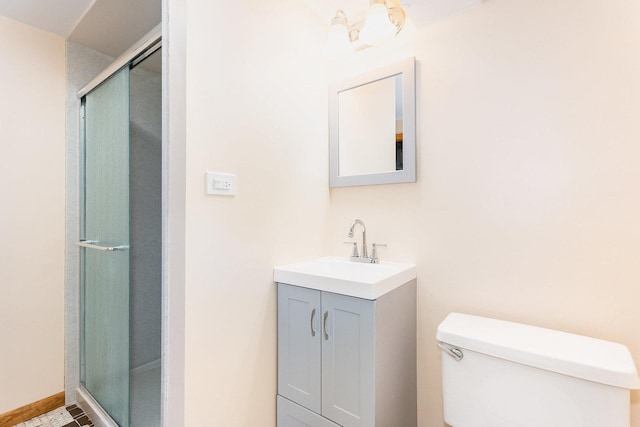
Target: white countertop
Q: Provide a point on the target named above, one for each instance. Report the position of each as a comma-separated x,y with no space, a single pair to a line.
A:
341,276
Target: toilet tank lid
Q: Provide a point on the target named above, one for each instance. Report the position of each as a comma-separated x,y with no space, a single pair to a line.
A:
574,355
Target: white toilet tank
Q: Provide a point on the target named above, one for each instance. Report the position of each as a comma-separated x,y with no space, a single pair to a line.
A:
515,375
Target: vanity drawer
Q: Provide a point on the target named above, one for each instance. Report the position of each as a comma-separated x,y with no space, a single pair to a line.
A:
293,415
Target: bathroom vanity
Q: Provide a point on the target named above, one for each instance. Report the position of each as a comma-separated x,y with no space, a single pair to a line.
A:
346,344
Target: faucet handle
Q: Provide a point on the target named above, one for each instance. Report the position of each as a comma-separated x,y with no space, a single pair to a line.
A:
354,252
374,252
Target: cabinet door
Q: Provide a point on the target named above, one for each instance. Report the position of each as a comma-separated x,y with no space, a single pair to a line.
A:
348,360
299,345
293,415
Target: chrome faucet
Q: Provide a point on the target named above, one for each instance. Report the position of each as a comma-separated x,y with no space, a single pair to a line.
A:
364,256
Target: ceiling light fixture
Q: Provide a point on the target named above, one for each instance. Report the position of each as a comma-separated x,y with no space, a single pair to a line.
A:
339,40
384,20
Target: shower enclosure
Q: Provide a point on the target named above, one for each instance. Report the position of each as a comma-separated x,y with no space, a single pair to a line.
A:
121,240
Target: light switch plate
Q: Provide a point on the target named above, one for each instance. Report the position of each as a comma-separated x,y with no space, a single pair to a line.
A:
220,184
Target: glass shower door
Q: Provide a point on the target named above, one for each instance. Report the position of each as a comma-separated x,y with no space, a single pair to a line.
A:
105,247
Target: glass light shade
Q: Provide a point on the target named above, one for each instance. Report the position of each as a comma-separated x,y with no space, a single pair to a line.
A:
338,41
377,26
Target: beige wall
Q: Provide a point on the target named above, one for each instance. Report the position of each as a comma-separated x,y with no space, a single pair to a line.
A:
526,206
32,215
256,106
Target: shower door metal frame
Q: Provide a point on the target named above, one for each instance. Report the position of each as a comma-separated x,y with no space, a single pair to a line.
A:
96,410
137,53
148,45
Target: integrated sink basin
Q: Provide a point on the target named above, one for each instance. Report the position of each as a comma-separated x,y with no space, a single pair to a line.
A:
341,276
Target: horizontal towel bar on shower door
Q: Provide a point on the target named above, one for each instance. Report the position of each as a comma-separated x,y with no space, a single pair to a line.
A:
92,244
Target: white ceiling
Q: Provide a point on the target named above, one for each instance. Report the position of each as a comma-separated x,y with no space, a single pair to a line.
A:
112,26
56,16
422,12
108,26
425,12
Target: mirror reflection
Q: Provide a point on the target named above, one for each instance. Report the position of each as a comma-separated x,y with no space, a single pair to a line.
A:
372,138
370,127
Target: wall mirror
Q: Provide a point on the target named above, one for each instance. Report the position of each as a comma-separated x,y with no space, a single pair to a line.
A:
372,127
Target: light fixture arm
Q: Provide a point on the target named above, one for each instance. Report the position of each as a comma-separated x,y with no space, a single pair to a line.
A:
397,15
355,34
340,18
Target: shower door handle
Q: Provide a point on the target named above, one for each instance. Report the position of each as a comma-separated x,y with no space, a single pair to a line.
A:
93,244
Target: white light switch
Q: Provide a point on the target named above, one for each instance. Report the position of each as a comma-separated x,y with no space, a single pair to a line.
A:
220,184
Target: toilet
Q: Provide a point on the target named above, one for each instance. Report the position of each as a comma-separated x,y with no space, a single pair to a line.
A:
504,374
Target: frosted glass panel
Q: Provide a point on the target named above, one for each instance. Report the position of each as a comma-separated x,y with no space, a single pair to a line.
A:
145,159
106,223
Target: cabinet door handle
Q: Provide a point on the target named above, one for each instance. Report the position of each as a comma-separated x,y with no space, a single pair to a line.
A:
313,314
324,325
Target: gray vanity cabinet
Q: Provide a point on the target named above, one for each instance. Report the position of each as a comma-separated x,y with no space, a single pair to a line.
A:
299,346
346,361
293,415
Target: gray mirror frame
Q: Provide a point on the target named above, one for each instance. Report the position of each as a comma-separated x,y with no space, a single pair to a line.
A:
406,68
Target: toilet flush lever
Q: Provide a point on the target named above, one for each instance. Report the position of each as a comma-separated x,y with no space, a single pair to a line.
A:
453,352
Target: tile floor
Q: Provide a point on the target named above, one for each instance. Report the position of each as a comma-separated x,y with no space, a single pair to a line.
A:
70,416
145,397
